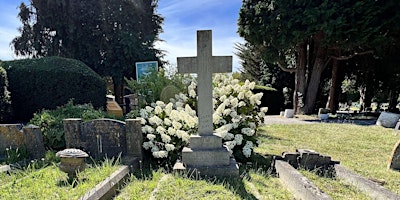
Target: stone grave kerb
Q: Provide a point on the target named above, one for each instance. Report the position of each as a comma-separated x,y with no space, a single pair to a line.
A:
206,153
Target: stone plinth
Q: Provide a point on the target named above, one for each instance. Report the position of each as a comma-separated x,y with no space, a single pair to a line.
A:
394,161
289,113
387,119
114,109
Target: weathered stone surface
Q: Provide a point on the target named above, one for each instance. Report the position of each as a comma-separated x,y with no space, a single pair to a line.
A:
310,159
205,142
114,109
374,190
300,186
108,188
102,138
289,113
397,127
205,157
291,158
394,160
5,168
17,136
387,119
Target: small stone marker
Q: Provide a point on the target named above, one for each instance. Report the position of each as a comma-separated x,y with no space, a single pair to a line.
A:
289,113
388,119
394,160
206,153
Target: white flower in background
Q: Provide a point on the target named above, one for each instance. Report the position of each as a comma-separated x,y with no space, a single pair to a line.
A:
149,109
241,95
160,130
160,154
142,121
248,131
192,93
160,103
167,122
226,112
239,139
222,98
148,145
155,148
252,125
168,108
144,114
169,147
155,121
176,125
229,136
241,104
165,138
158,110
147,129
264,109
246,151
151,137
234,102
171,131
230,144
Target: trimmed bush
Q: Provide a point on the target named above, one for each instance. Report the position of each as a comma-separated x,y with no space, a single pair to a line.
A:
5,99
272,98
46,83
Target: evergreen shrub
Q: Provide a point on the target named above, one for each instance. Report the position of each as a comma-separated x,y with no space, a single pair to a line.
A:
46,83
5,99
272,98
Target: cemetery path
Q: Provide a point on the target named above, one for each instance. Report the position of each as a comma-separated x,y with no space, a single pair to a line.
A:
304,119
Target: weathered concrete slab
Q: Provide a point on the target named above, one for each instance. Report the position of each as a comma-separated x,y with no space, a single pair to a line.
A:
374,190
300,186
231,170
107,188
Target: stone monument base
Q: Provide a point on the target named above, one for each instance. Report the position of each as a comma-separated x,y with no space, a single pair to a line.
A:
207,157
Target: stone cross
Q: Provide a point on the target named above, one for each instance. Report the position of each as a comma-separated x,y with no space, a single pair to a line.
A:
205,65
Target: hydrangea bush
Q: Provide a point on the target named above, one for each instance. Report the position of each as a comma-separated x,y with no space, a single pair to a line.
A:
167,126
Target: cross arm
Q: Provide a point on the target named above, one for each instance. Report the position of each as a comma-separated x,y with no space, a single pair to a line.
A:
222,64
187,65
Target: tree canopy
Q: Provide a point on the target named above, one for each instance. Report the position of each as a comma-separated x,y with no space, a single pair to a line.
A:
109,36
305,36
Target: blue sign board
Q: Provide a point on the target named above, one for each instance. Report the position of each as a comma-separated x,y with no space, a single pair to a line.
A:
144,68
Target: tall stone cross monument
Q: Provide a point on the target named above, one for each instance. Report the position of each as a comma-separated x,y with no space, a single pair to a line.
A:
206,153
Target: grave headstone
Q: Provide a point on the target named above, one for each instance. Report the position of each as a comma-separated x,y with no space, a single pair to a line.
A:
114,109
206,153
103,138
289,113
394,160
388,119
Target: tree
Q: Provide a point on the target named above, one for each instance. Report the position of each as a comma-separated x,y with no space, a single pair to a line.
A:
303,37
109,36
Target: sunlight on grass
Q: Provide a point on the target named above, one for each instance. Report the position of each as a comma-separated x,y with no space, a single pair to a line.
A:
269,187
140,188
363,149
50,183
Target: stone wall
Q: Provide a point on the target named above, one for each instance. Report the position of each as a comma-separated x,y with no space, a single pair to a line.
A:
17,136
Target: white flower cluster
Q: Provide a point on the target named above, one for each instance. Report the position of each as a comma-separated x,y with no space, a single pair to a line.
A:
237,116
166,125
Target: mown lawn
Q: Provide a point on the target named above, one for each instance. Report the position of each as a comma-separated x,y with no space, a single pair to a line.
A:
363,149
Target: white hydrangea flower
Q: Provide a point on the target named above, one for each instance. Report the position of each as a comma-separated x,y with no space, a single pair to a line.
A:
144,113
229,136
160,104
252,125
264,109
176,125
160,129
149,109
168,108
165,138
160,154
234,102
167,122
148,145
147,129
246,152
155,121
192,93
239,139
155,148
171,131
158,110
230,144
248,131
241,95
151,137
226,112
169,147
142,121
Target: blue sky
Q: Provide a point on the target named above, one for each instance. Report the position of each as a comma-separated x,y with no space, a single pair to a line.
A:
182,19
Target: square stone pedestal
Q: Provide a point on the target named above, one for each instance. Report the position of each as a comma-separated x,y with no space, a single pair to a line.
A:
207,157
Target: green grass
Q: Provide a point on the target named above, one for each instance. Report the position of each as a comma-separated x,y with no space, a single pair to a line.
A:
363,149
51,183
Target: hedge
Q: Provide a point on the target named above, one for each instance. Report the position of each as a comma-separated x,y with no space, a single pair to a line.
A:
45,83
5,100
272,98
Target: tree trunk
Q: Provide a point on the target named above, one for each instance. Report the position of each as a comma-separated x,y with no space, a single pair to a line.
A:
318,68
393,95
335,87
300,79
118,91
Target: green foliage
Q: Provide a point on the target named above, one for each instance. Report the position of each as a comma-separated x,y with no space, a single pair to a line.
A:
149,88
272,99
108,36
168,92
5,99
14,155
51,124
46,83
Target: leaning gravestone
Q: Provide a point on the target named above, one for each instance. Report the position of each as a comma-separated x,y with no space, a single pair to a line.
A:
388,119
394,161
206,153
